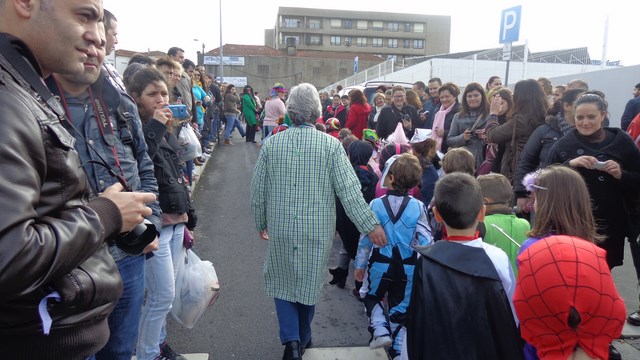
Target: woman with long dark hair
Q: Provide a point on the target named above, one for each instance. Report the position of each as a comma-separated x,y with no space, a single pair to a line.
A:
468,124
528,112
149,89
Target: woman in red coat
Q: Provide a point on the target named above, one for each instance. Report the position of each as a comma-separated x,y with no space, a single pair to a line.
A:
358,113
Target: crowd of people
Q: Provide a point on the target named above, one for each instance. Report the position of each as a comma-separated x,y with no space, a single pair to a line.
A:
477,226
526,179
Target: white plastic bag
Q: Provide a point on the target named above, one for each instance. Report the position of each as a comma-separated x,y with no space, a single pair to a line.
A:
189,143
197,288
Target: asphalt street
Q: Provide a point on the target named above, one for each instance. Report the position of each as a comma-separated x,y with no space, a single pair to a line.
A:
242,323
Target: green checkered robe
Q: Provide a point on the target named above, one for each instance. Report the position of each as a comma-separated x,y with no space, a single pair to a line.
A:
296,178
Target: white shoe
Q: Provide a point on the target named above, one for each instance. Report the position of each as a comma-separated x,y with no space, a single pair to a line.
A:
380,341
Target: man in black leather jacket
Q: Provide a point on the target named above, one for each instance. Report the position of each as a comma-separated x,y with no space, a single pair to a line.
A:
52,239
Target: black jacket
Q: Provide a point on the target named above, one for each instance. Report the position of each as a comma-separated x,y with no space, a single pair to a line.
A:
390,116
459,308
615,205
536,150
52,238
163,148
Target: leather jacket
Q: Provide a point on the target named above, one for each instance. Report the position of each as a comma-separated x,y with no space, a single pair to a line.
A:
133,160
52,238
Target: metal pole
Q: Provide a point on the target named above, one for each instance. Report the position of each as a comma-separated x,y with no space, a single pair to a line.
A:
221,50
506,75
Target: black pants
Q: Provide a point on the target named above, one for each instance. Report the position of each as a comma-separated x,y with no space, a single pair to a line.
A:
251,133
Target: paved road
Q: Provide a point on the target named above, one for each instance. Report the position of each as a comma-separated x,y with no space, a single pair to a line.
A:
242,324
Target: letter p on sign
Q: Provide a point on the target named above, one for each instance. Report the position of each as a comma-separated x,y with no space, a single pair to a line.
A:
510,24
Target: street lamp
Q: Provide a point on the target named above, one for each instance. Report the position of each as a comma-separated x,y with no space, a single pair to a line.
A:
200,58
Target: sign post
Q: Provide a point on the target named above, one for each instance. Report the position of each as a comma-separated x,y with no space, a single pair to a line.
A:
509,32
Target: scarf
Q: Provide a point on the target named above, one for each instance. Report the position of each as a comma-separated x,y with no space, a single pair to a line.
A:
438,123
563,124
596,137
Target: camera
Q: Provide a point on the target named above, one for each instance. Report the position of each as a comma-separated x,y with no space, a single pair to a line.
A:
179,111
599,165
134,241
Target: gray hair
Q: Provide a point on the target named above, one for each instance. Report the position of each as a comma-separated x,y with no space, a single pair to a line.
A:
303,105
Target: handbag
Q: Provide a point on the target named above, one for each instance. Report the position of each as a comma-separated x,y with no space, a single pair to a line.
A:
197,288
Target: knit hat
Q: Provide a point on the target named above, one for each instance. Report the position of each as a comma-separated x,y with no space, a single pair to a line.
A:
359,152
333,124
565,297
278,88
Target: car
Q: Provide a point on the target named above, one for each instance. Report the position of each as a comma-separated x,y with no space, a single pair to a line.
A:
369,88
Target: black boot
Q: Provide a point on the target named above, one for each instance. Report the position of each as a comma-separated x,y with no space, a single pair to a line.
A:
292,351
339,277
356,291
614,354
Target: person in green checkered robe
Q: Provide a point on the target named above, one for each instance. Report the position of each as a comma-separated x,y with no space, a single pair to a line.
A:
296,178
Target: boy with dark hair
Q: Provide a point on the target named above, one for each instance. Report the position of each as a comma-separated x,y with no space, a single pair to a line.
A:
390,267
460,305
501,227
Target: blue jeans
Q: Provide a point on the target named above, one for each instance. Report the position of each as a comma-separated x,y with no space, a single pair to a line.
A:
232,122
266,131
124,320
160,284
294,320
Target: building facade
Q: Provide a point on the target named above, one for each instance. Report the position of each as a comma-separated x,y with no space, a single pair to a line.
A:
262,66
387,35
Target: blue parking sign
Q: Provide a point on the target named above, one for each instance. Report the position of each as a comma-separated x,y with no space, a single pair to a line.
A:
510,24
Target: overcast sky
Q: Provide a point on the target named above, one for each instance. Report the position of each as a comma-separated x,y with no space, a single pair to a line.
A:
546,24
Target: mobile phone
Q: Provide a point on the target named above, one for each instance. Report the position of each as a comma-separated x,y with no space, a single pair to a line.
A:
179,111
599,165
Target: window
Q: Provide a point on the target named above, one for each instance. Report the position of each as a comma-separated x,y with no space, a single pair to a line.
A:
407,27
263,70
376,42
291,23
336,23
394,26
376,25
292,40
347,41
314,40
392,57
343,73
317,71
418,44
314,23
335,40
362,25
406,43
361,41
348,24
393,43
418,27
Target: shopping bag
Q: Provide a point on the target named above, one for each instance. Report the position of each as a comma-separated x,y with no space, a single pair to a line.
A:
189,143
197,288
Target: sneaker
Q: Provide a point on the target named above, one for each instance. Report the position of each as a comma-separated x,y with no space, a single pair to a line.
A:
166,352
380,341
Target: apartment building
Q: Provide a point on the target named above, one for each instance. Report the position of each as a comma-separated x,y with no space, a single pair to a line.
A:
387,35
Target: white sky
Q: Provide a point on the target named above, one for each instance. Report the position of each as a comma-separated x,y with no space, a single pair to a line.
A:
475,24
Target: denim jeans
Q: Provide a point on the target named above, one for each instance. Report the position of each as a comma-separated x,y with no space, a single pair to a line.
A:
266,131
232,122
294,320
160,284
124,320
